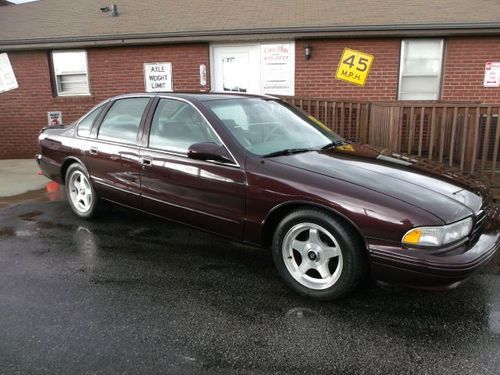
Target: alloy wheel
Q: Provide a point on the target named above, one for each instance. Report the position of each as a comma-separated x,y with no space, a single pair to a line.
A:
312,256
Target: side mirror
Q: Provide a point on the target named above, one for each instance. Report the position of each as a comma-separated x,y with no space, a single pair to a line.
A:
209,151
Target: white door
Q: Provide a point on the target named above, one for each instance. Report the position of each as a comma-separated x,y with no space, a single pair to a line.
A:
236,68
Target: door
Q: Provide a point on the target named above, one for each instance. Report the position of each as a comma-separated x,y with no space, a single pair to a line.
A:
257,68
236,68
113,157
208,195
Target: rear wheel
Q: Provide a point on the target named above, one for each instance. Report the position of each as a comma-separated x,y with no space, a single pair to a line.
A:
318,255
81,195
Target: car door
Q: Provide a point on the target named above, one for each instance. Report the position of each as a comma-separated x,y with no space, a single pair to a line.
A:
113,155
209,195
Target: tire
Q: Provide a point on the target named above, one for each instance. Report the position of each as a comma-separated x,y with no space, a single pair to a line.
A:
80,192
319,256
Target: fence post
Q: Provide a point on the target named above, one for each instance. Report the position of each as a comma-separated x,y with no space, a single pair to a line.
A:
394,125
364,117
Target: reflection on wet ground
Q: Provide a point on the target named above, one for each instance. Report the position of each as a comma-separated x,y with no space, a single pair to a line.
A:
132,293
52,192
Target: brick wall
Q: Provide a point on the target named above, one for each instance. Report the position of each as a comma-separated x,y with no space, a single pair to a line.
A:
119,70
462,79
464,69
112,71
316,77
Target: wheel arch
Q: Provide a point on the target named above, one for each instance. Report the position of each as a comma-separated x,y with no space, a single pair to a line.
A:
277,213
65,165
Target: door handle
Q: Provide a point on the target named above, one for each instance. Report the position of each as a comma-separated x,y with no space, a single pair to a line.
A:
146,162
93,150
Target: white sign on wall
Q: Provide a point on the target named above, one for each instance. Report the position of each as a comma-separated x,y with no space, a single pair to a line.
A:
54,118
492,74
278,63
158,77
203,75
7,78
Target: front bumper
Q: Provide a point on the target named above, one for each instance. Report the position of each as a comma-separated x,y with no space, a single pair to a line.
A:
439,269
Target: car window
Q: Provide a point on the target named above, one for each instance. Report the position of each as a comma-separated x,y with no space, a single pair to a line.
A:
270,126
177,125
122,121
85,124
232,115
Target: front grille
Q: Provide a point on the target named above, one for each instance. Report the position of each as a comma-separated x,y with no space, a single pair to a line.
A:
479,223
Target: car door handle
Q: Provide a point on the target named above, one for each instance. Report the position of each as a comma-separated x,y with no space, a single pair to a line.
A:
146,162
93,150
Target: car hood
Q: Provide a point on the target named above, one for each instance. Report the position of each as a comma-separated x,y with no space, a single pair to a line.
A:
441,191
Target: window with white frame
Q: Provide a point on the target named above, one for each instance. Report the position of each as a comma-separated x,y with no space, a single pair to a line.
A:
420,69
71,72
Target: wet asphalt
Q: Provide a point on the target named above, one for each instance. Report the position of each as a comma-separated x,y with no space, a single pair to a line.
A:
130,293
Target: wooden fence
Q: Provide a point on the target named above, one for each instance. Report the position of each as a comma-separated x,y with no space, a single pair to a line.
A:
462,135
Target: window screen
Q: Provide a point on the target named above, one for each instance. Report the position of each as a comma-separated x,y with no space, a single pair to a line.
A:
420,72
71,72
122,121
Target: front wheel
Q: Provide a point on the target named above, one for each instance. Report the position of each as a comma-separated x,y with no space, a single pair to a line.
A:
318,255
81,195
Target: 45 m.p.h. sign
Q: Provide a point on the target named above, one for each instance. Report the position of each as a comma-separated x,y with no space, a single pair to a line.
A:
354,66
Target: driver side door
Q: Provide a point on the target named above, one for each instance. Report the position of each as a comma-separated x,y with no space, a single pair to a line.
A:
206,194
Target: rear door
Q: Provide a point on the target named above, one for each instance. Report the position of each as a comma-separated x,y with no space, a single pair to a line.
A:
205,194
113,157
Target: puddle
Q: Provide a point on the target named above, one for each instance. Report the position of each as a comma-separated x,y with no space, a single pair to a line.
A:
144,232
30,216
212,267
301,312
51,225
52,192
7,232
24,233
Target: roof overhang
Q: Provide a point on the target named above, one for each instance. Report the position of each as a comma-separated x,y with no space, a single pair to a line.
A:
365,31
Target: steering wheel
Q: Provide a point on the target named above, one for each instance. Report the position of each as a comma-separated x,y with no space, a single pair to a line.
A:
272,131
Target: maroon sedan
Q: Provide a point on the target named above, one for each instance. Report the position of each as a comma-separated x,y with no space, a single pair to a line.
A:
257,170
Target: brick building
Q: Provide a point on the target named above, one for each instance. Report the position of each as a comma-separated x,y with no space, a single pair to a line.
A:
69,56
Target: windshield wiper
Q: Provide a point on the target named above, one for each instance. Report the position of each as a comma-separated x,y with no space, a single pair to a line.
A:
332,144
287,151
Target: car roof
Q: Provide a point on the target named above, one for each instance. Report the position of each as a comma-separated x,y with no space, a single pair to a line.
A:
200,96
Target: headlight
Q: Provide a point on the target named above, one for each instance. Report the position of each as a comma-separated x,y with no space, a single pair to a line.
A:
437,236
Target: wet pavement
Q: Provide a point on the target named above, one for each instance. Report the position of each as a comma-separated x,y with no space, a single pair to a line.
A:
130,293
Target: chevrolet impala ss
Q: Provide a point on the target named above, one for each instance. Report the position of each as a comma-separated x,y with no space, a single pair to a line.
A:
257,170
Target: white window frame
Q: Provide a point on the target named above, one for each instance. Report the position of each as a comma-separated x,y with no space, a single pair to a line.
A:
404,43
57,84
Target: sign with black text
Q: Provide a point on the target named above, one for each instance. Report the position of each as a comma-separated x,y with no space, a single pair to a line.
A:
354,66
278,68
492,74
54,118
7,78
158,77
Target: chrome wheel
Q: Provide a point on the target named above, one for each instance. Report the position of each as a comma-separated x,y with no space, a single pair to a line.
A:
80,192
312,256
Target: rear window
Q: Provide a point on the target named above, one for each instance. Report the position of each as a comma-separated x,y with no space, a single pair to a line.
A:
122,121
85,124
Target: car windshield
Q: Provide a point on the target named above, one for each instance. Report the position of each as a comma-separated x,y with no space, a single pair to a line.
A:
267,127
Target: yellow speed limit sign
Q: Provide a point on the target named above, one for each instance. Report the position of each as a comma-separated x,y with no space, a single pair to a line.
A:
354,66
